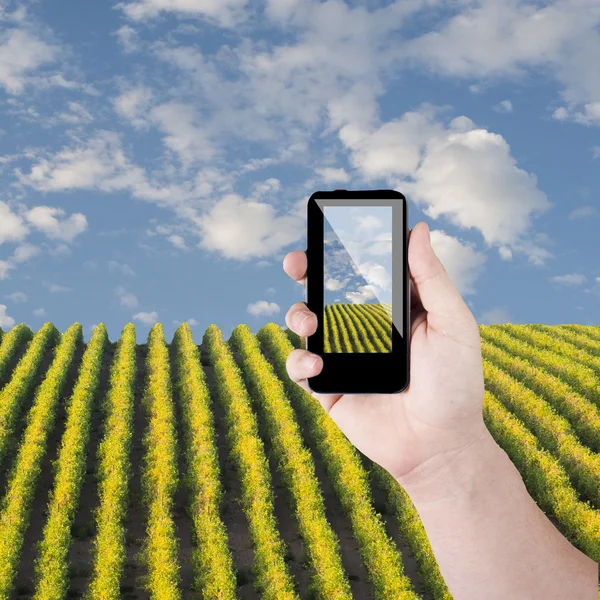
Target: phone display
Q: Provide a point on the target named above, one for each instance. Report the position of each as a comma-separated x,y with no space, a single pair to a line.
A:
357,269
357,285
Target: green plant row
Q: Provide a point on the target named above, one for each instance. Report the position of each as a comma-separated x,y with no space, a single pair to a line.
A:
593,332
214,574
552,430
326,334
23,479
371,340
160,474
554,343
414,533
295,462
11,342
544,477
13,394
300,342
583,415
581,378
585,342
344,334
113,472
52,565
272,578
378,323
332,332
357,329
349,479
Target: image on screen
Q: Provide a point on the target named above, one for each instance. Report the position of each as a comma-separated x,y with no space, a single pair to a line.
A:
357,268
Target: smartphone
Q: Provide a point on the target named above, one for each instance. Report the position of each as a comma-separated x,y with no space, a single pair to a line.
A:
357,283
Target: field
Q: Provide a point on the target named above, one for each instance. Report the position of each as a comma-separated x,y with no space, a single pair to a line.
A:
357,328
196,469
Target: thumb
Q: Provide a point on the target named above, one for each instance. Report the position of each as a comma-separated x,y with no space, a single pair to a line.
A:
436,290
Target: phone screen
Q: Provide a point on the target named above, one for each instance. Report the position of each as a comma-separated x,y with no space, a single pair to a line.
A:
357,279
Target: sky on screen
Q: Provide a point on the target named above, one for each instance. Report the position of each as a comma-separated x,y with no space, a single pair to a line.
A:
156,155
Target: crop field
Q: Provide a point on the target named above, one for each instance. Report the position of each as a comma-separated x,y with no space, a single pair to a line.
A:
196,469
357,328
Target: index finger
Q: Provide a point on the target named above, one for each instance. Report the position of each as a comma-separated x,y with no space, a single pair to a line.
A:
294,264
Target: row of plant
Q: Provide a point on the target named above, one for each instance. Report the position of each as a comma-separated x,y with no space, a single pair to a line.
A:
583,379
542,339
583,415
113,472
160,473
332,331
552,430
585,342
380,325
348,477
357,329
272,578
546,480
22,482
14,393
296,466
591,331
214,573
371,339
11,343
344,334
350,325
52,565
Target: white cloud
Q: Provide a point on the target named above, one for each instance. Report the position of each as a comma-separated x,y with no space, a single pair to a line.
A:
596,151
6,322
368,222
458,172
569,279
177,241
77,115
48,220
460,259
333,284
5,268
126,299
17,297
39,312
225,12
582,212
128,38
509,39
12,226
147,318
24,252
498,315
133,105
376,275
263,308
332,175
364,293
123,268
271,291
55,288
191,322
21,54
505,253
504,107
242,229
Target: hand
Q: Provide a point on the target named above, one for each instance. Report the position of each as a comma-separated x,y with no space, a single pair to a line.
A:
414,433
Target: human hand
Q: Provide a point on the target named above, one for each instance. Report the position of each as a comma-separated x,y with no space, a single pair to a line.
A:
412,434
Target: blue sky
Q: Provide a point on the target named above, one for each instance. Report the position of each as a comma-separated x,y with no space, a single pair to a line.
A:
156,155
357,262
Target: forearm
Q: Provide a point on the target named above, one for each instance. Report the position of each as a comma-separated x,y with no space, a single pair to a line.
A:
489,537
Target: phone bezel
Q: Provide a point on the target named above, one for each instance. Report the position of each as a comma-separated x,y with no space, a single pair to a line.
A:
359,373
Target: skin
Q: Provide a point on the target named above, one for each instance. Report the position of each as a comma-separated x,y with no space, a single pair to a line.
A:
489,537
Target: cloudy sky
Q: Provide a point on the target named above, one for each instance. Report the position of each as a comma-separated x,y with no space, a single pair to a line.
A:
357,262
156,155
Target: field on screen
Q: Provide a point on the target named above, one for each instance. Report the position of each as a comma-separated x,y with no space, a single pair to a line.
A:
197,469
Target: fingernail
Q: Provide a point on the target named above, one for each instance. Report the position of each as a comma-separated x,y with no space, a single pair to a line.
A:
309,362
301,317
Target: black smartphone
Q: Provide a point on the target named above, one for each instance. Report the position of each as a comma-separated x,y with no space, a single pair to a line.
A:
357,284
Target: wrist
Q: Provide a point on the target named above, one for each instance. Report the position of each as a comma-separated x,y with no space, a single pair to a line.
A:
455,474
